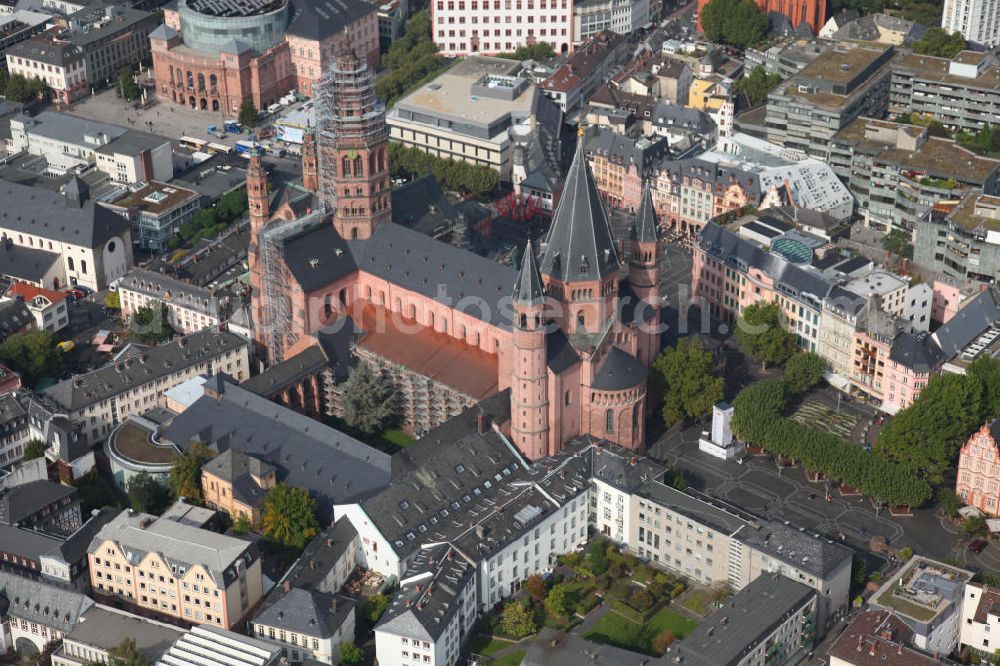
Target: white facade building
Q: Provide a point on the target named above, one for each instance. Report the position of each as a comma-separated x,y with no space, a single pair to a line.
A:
622,16
977,20
463,27
980,613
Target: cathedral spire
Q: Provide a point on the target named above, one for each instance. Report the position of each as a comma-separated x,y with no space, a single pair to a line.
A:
580,245
645,218
528,289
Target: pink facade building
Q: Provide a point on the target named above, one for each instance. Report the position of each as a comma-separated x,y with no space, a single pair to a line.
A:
979,470
206,61
571,340
464,27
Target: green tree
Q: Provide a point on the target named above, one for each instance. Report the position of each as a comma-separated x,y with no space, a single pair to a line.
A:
905,553
149,324
737,22
34,355
412,60
288,516
899,243
663,641
185,473
937,42
986,140
45,656
368,400
517,622
112,299
926,436
756,85
19,89
351,654
248,113
126,654
536,587
146,494
242,524
803,371
375,607
555,602
35,448
598,557
974,526
948,501
125,86
762,335
684,375
537,51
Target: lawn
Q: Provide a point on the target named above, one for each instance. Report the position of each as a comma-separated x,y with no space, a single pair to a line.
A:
389,440
698,602
613,629
484,645
397,437
512,659
812,412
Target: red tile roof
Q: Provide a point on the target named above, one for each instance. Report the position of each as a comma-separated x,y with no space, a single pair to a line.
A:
29,292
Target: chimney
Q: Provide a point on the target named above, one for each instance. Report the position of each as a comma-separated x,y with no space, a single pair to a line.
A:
333,605
873,650
144,523
288,585
481,423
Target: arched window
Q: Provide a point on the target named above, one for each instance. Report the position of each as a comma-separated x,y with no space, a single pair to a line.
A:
609,418
180,75
580,320
359,167
346,167
201,81
635,417
190,79
381,161
213,82
524,321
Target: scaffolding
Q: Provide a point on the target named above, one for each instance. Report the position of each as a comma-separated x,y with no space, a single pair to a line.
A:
279,333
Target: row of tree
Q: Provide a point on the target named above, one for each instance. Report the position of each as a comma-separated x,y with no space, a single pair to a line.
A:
925,437
758,420
455,175
411,61
17,88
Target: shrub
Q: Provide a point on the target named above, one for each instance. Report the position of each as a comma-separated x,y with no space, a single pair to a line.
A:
677,590
619,590
640,599
905,553
663,641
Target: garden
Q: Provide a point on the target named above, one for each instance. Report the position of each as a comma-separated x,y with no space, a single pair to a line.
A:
637,597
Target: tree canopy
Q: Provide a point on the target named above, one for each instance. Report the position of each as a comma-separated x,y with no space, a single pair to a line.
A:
33,354
288,516
351,654
537,51
35,448
740,23
985,141
411,61
17,88
126,654
248,113
899,243
368,400
149,324
146,494
517,622
685,377
453,174
185,473
762,336
803,371
757,84
937,42
125,86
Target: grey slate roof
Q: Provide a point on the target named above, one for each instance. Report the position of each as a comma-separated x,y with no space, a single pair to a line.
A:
14,315
28,264
148,365
643,153
422,205
560,353
47,214
41,603
279,376
103,628
334,467
304,611
644,229
619,371
177,543
580,245
968,323
316,567
182,294
620,467
318,257
20,502
239,469
554,648
319,19
916,351
528,289
747,619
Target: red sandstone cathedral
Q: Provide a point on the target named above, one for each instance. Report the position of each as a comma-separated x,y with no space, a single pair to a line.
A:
571,334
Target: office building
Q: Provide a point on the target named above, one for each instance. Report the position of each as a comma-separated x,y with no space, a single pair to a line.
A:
176,570
464,27
157,211
964,243
593,16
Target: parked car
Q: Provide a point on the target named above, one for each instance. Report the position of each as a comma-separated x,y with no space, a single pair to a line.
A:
76,294
978,546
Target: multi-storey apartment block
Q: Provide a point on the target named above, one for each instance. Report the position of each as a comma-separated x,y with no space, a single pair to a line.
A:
898,173
176,570
843,83
963,92
101,399
965,242
977,20
190,308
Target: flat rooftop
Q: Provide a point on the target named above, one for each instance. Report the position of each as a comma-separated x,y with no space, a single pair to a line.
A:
930,68
841,64
450,95
968,213
435,355
133,441
156,198
923,589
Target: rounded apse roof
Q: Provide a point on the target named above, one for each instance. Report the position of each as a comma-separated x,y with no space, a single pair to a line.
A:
793,250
